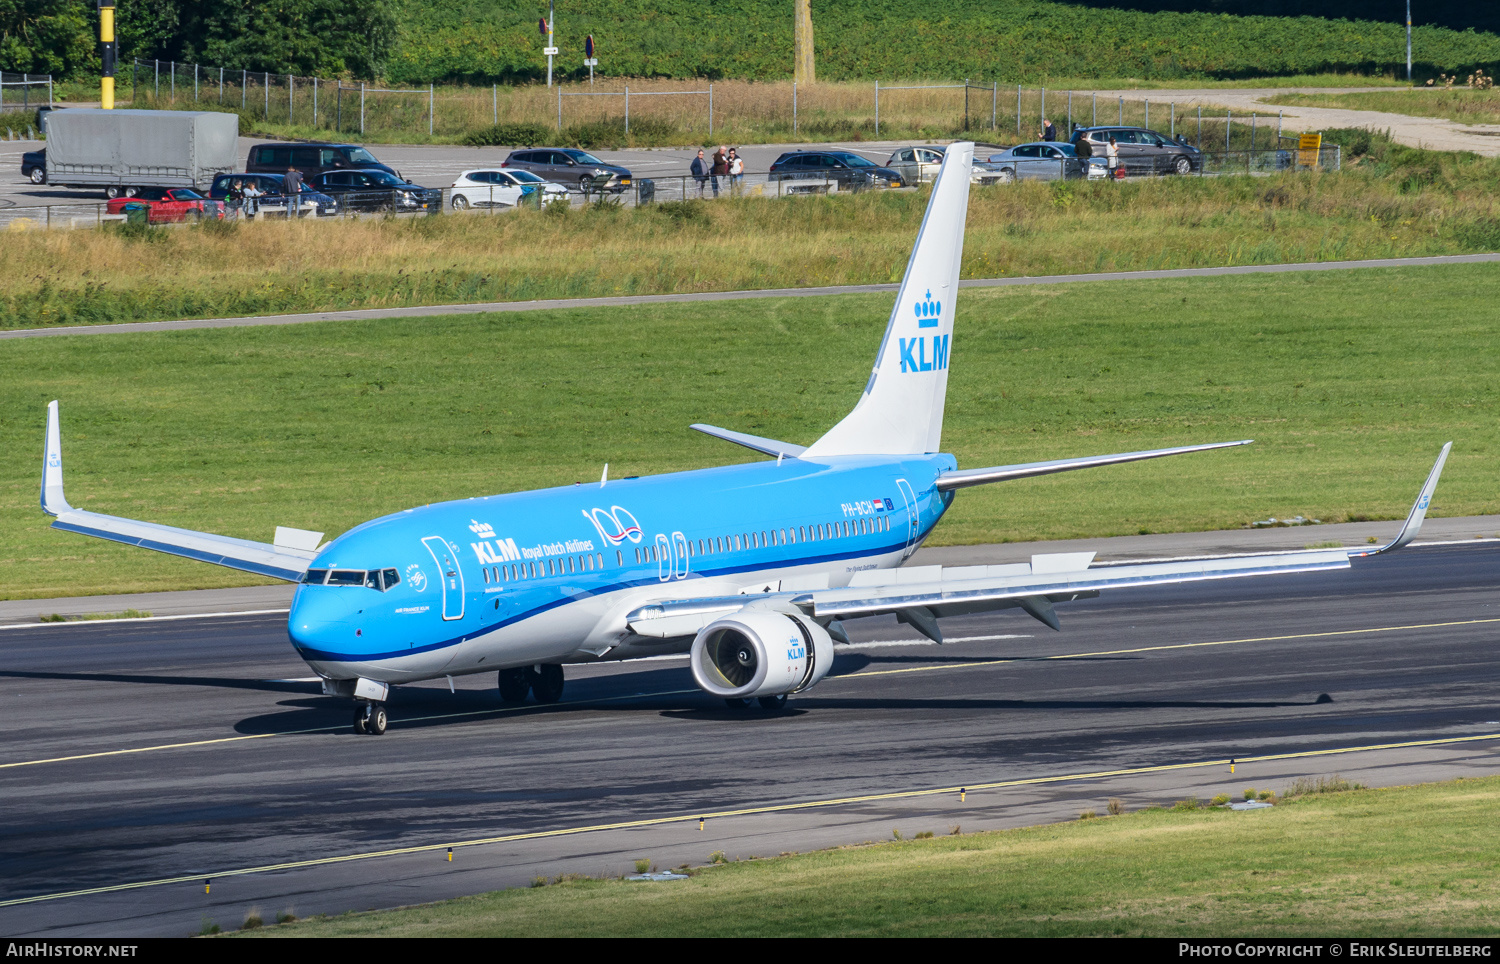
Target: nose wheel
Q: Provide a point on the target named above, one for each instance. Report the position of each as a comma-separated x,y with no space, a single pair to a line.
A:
370,719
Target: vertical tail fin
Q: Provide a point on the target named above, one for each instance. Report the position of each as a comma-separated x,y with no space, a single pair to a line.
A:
901,411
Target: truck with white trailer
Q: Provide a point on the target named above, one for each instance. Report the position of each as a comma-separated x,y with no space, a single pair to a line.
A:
117,151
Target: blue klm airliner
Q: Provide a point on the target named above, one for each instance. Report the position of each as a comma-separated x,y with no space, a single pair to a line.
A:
751,569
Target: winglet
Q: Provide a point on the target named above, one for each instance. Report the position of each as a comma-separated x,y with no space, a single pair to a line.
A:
1418,511
53,502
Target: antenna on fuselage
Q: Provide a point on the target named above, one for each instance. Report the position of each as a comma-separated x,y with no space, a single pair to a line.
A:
605,477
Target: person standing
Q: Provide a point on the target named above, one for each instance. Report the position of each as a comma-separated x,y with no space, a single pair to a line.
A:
720,167
1112,156
700,169
292,187
252,195
736,171
1049,132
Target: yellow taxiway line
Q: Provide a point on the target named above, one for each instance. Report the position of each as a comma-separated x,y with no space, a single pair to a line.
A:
738,812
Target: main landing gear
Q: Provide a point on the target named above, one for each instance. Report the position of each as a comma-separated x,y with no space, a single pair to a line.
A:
370,719
544,681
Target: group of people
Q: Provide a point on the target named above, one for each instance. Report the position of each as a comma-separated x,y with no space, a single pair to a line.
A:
726,162
1085,149
243,195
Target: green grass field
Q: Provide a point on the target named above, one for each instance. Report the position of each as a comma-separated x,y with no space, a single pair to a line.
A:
1350,381
1404,862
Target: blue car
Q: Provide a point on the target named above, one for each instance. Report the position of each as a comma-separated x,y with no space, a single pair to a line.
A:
273,194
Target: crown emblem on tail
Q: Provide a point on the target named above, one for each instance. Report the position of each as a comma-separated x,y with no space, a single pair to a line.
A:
928,311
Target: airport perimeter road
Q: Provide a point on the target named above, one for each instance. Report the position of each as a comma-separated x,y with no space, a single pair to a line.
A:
188,750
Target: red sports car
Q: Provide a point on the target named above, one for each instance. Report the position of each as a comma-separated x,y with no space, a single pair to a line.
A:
166,205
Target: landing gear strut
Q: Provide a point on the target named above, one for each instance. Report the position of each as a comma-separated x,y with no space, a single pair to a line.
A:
370,719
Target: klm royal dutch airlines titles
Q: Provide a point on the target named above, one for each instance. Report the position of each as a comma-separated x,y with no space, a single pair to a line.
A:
750,569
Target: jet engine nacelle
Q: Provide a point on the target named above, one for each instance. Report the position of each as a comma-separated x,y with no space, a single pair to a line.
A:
752,654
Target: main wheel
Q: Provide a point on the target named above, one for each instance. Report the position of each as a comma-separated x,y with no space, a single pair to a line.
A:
773,703
375,724
736,702
460,203
547,685
1182,165
513,686
359,721
38,175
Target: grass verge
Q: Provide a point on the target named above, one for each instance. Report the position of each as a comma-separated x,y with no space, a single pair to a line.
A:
1409,861
1456,104
1349,382
1390,201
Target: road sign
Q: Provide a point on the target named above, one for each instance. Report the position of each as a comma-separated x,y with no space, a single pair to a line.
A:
591,62
1308,148
549,51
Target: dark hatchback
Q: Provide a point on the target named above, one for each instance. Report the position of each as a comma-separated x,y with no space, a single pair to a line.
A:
576,170
849,171
366,190
272,188
1141,151
311,159
34,166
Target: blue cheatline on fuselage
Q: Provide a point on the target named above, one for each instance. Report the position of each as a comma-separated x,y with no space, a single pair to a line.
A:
518,556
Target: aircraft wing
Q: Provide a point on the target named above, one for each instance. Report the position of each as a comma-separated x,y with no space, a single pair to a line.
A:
287,559
920,595
960,479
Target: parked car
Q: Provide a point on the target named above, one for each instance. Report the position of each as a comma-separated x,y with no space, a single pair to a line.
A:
571,167
367,190
168,205
916,164
272,199
492,188
34,166
821,171
311,159
1038,161
1143,151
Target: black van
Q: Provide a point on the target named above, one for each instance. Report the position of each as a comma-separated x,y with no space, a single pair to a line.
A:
310,159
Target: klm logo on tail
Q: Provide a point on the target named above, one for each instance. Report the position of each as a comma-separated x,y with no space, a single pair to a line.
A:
914,356
928,312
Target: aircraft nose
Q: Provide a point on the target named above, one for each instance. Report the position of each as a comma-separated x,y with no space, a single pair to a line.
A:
323,623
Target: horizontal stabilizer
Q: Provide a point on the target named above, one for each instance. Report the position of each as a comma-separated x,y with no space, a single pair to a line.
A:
769,446
1005,473
278,561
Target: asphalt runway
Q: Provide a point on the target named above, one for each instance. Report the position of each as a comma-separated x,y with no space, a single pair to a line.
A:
194,749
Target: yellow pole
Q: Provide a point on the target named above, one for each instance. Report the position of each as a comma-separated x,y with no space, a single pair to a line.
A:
107,54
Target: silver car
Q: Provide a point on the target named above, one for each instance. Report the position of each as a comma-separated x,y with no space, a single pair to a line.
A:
1039,161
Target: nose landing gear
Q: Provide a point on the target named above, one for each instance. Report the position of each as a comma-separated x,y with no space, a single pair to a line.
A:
370,719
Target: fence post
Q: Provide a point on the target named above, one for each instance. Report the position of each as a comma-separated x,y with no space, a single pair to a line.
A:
430,103
1018,110
710,111
289,112
265,81
1278,127
338,106
315,102
195,82
1043,114
1148,113
495,95
361,108
1070,114
966,103
49,90
994,105
794,107
1094,106
877,108
1252,132
559,105
156,91
1228,122
244,88
1121,121
627,110
1173,108
172,70
1200,127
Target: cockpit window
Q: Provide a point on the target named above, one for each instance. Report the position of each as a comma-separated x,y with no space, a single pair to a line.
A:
380,580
